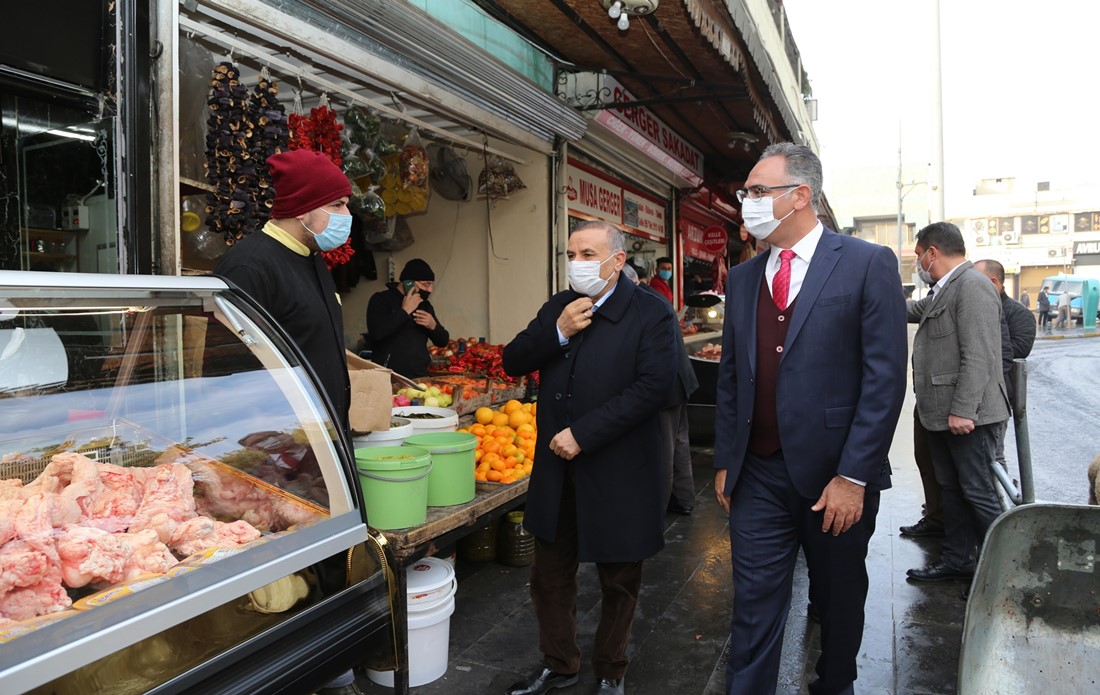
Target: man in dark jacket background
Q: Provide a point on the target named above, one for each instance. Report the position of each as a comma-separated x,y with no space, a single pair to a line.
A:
675,444
604,352
1021,336
401,321
1042,304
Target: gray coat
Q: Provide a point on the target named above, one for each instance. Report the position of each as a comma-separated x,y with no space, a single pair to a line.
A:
956,352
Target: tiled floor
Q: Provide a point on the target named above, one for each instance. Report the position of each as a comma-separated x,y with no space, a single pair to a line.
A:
910,646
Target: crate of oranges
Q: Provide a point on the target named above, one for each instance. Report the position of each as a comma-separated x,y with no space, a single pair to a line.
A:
505,449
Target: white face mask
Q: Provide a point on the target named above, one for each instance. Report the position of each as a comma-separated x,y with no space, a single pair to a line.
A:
759,215
924,275
584,276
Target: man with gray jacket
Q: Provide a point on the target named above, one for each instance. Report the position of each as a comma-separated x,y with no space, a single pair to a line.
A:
960,391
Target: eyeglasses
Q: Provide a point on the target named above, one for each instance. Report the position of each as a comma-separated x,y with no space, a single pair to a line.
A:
758,192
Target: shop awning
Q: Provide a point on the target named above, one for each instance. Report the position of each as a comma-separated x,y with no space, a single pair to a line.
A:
348,58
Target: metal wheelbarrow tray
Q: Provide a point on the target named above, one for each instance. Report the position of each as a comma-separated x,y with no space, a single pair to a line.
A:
1033,619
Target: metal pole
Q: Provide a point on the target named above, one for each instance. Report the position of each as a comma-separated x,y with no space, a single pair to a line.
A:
1019,420
937,119
899,202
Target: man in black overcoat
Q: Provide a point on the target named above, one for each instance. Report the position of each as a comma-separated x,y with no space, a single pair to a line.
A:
606,357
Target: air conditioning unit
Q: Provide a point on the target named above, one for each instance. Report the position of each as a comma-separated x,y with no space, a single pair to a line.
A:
981,240
1010,237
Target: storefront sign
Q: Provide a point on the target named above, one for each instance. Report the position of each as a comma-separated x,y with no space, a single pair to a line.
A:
715,239
593,194
643,130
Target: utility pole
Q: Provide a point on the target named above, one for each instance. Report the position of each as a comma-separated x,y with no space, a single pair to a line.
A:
937,119
903,190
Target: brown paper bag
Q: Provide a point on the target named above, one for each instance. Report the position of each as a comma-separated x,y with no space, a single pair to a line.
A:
371,395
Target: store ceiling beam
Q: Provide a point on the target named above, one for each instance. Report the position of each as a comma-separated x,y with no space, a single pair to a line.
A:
599,106
266,21
288,68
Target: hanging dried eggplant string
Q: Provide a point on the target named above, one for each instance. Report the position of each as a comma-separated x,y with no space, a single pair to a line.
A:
231,208
270,137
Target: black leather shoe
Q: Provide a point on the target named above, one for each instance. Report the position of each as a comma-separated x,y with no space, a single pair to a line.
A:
939,572
540,681
675,508
611,686
924,527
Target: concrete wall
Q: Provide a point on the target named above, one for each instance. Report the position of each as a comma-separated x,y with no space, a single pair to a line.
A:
478,293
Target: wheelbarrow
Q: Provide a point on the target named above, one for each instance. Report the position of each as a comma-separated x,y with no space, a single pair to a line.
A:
1033,618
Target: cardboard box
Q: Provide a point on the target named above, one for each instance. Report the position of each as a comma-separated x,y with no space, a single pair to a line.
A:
371,395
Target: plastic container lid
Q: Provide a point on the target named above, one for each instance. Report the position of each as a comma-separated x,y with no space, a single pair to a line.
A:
427,575
403,429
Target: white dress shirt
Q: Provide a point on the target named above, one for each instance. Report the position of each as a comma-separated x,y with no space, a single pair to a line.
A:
562,340
804,251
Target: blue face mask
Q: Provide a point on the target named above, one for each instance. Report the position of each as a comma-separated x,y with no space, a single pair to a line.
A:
335,234
665,275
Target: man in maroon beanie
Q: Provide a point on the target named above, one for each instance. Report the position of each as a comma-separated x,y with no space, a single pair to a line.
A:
282,269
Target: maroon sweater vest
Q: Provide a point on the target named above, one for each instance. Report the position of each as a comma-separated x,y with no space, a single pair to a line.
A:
771,333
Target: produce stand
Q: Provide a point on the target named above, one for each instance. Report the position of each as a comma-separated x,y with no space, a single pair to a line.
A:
444,526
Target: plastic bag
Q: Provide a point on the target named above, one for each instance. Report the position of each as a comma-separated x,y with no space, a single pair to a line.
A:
498,178
413,172
391,235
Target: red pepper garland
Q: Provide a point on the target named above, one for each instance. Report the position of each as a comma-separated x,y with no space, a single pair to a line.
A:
320,131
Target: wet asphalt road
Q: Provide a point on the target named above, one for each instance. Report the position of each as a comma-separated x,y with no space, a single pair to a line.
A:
1063,413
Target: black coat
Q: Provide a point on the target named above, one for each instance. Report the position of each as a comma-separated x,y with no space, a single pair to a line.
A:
686,382
397,341
300,295
608,385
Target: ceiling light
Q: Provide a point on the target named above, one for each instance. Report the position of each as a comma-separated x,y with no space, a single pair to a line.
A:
745,139
622,9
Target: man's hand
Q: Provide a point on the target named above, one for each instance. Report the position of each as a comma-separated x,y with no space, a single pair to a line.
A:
564,445
959,425
842,501
411,301
719,486
425,319
575,317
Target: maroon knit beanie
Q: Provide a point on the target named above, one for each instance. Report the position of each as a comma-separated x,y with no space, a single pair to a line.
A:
304,180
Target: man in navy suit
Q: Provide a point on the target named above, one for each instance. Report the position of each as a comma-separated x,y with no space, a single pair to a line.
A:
810,387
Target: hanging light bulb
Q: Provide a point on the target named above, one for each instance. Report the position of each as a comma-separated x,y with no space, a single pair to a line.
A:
615,10
624,22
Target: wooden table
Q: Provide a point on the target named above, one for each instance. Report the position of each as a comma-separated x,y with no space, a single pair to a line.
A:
444,526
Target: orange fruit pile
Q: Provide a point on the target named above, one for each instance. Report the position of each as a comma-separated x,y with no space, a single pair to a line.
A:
505,449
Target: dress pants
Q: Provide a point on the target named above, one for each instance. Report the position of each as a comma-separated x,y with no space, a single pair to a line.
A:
970,502
554,595
769,522
933,502
676,456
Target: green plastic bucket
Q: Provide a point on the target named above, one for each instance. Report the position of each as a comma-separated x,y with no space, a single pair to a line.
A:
395,485
452,478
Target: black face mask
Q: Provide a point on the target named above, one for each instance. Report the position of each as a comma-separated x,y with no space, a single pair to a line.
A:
424,294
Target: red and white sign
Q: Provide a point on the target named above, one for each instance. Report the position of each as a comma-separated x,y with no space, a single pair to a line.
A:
593,194
702,234
643,130
715,239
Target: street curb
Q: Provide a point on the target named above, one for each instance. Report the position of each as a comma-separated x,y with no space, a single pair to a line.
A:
1067,337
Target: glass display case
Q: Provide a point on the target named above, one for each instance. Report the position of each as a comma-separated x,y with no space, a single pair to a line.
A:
702,328
177,510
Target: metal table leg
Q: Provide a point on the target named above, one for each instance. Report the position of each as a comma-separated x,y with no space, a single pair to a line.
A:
401,629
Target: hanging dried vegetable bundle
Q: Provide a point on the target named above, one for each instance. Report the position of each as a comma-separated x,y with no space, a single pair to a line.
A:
498,178
231,208
269,137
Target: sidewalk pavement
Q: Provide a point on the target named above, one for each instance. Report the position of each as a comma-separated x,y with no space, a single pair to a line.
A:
681,630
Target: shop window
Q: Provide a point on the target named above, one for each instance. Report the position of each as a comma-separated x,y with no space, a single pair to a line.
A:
57,205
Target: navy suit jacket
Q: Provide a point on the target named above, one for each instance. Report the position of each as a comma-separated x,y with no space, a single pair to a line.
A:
842,375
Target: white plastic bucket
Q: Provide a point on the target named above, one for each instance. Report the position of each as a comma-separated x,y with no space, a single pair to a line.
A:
431,591
446,422
394,436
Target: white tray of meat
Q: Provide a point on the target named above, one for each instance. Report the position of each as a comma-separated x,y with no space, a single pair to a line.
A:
710,351
82,526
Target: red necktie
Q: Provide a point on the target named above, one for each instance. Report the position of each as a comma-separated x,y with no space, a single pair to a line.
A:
781,283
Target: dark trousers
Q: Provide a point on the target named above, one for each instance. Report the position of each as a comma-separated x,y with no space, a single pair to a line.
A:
769,522
970,502
554,594
676,456
933,502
